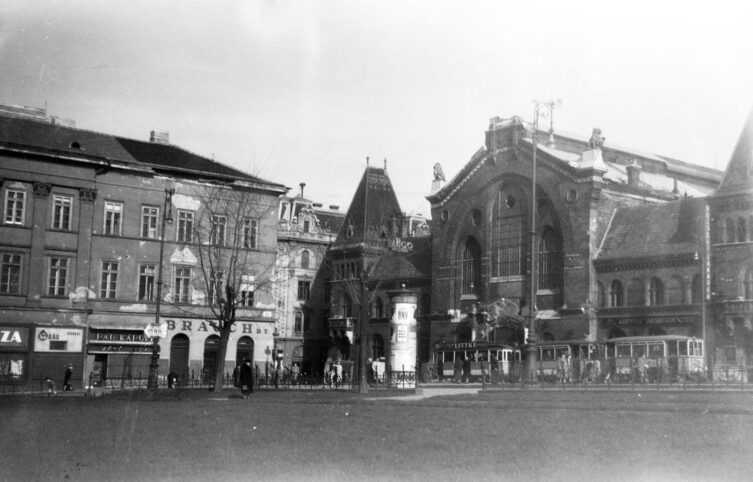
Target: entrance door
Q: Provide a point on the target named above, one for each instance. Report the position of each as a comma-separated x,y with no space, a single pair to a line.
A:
179,356
211,349
245,350
99,371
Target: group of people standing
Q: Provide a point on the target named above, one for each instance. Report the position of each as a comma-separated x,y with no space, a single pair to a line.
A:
569,370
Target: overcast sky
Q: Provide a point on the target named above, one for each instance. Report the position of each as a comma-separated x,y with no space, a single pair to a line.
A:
303,91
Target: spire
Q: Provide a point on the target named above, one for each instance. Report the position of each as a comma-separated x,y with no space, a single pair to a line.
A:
738,177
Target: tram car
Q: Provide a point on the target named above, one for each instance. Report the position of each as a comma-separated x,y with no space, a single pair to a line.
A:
668,358
510,364
580,366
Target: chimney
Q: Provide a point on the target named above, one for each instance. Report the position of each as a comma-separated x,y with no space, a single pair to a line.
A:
334,207
303,185
159,137
634,173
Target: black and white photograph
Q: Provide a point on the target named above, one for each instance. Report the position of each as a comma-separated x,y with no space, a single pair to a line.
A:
333,240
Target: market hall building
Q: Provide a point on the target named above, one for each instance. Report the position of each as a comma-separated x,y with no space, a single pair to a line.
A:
619,240
80,255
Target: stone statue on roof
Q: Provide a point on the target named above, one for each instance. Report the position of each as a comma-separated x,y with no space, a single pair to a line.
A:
438,172
597,140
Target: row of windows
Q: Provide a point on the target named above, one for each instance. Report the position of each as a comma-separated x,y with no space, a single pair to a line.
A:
15,206
737,230
673,293
59,270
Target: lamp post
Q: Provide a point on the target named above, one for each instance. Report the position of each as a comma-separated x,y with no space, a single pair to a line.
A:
532,351
166,218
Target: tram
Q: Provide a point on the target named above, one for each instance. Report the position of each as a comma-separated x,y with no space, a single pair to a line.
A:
668,357
477,352
581,364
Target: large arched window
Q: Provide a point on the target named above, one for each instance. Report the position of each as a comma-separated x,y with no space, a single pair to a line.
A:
636,293
244,349
656,292
616,294
305,259
211,349
601,297
470,266
675,291
509,232
550,260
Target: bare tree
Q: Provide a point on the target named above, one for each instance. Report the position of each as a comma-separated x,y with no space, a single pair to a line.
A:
232,265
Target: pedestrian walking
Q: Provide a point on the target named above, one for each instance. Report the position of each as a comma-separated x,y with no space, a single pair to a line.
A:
246,376
50,387
596,370
568,369
67,378
237,375
495,370
561,369
642,366
458,367
467,370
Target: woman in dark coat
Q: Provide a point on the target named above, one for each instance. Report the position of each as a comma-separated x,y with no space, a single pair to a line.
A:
247,379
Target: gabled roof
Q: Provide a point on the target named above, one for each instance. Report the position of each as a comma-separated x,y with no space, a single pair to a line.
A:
654,231
34,137
738,177
374,213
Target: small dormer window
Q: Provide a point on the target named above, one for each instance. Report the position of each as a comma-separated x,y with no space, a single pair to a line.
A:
75,145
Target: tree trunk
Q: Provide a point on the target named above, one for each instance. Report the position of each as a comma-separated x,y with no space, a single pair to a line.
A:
219,373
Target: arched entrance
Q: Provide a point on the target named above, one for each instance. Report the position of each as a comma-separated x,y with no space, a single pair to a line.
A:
245,350
179,355
211,349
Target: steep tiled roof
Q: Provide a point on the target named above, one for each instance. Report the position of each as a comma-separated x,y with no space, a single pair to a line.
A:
738,178
374,205
649,231
49,139
330,221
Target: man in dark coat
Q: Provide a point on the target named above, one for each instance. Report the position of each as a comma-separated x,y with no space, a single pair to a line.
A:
247,379
67,378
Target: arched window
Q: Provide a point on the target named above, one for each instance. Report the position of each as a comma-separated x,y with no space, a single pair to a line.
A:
656,292
601,298
696,289
550,260
298,327
179,355
616,294
741,234
509,232
470,263
636,294
244,349
747,290
377,347
675,291
378,308
305,259
730,229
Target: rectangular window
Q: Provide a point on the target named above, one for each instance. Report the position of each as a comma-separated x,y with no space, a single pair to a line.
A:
146,282
58,345
15,202
185,226
247,298
149,216
217,236
58,278
182,284
215,288
109,283
304,289
113,214
10,274
61,212
250,233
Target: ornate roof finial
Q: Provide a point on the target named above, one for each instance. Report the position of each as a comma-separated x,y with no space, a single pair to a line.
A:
385,164
367,161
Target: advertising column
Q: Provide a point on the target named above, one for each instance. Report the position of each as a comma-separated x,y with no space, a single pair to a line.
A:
402,348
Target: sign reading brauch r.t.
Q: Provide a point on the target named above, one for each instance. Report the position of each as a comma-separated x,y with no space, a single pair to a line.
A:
159,331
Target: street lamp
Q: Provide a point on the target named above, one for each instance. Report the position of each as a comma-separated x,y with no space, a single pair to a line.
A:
166,218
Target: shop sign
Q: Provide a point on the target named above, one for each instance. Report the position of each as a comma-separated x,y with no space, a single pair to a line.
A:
118,337
121,349
14,337
658,320
243,328
49,339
